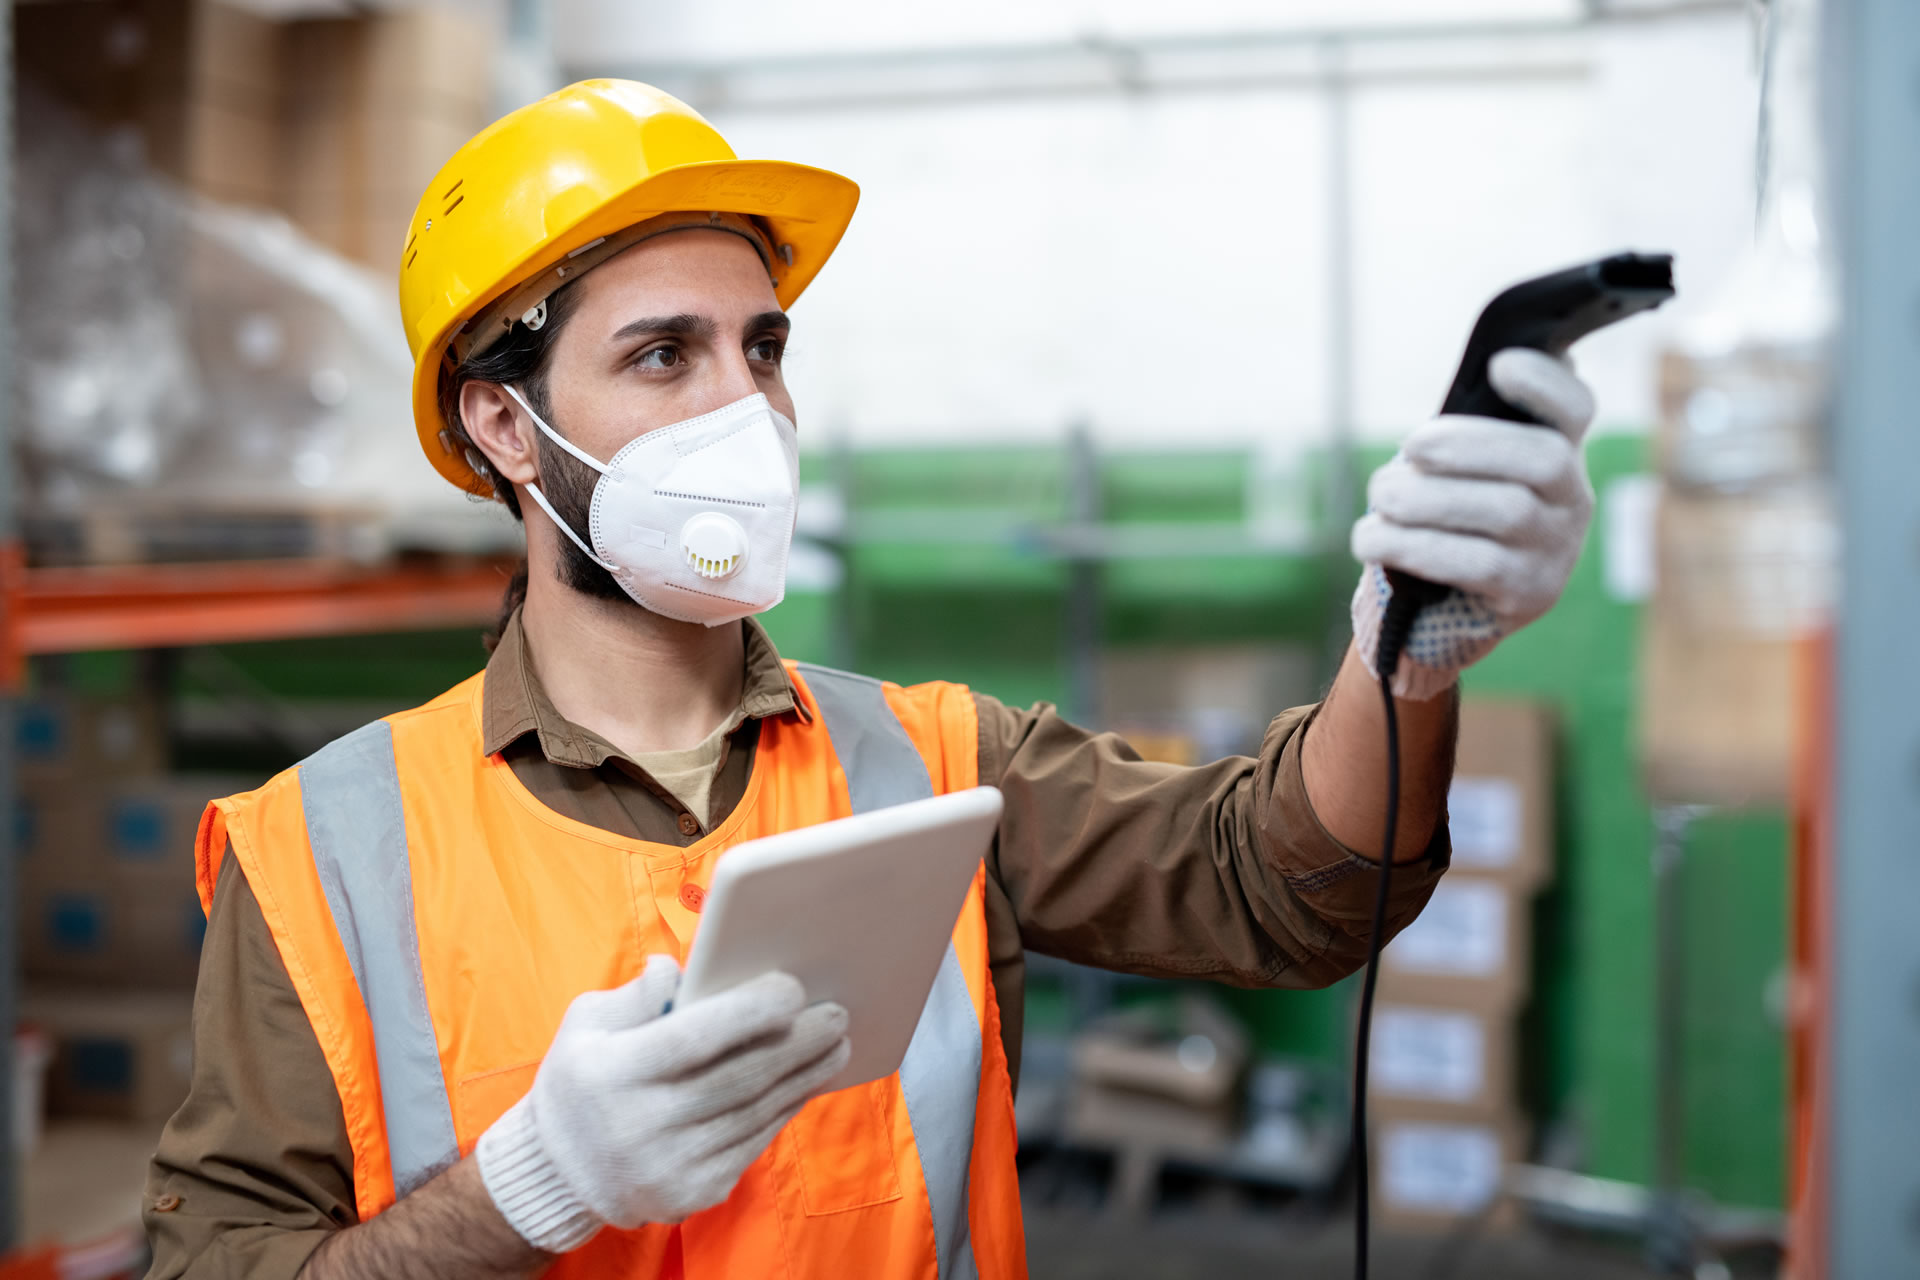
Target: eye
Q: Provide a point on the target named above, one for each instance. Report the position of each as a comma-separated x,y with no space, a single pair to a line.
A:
768,350
666,356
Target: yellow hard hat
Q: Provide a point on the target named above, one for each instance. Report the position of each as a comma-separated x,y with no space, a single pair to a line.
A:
560,175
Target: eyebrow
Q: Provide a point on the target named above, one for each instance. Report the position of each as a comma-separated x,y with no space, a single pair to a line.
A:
776,320
688,325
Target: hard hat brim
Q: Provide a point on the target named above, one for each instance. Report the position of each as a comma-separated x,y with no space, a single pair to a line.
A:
806,208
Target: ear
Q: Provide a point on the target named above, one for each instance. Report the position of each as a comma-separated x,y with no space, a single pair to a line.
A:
502,432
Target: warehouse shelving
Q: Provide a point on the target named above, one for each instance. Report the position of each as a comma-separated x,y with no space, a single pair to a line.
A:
66,610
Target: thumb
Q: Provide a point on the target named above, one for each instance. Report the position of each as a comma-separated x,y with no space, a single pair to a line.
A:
1545,387
632,1003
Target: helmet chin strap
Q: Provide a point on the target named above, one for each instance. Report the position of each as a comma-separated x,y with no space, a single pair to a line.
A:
540,499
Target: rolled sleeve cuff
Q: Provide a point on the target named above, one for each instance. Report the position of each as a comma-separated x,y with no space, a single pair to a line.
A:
1339,883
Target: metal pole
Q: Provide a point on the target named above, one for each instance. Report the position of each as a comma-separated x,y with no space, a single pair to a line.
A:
841,646
1872,79
1672,1241
1083,580
1341,486
9,561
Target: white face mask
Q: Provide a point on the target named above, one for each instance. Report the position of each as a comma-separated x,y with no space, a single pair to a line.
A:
694,520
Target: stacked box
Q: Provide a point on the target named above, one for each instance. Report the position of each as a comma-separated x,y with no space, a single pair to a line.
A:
195,81
61,737
117,1055
107,892
375,105
1721,666
339,123
1745,561
1447,1117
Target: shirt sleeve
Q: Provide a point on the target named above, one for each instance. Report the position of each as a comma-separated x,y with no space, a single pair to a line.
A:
1219,871
255,1169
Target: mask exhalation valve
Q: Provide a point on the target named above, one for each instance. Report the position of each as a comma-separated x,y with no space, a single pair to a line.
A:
715,545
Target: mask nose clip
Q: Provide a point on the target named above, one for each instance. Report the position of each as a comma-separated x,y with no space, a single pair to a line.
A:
714,544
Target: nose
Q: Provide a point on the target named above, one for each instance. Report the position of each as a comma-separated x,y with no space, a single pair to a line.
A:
732,380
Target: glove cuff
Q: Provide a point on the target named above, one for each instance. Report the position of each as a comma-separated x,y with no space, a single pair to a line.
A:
526,1186
1414,681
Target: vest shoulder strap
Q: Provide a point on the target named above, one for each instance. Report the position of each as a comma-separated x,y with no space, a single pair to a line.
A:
882,765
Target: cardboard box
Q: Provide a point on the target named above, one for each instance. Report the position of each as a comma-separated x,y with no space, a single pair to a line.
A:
198,82
1442,1054
62,738
1100,1116
1470,948
1433,1167
339,123
107,880
376,105
68,927
79,928
109,58
143,832
422,59
116,1055
225,153
1740,580
1500,807
1193,1053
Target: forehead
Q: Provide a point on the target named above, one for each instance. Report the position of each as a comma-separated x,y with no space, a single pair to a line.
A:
697,272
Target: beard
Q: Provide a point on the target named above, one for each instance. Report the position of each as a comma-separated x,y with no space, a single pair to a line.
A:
568,484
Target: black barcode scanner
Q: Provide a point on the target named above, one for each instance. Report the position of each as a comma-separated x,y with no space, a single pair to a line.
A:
1549,313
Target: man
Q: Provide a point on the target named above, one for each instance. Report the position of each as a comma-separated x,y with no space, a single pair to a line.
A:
434,1032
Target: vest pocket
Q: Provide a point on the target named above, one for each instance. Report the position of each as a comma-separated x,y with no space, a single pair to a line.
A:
481,1099
843,1143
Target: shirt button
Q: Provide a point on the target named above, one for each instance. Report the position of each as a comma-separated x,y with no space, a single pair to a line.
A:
166,1204
689,825
692,897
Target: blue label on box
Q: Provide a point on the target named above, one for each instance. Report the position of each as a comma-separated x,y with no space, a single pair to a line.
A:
137,830
99,1065
76,922
39,731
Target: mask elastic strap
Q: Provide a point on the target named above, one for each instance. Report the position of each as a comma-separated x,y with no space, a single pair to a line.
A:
541,499
555,436
562,525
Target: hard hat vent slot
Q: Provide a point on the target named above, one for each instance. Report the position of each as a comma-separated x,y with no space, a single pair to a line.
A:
448,193
455,205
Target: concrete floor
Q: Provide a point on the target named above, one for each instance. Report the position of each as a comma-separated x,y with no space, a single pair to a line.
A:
1078,1246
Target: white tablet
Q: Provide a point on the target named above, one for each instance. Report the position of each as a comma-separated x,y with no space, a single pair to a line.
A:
860,910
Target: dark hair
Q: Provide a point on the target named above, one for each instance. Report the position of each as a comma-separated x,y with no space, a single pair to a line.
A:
519,359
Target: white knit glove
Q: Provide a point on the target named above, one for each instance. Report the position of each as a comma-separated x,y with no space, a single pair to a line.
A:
637,1117
1495,510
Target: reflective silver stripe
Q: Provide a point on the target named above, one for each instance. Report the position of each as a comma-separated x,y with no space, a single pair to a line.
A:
882,765
356,825
940,1077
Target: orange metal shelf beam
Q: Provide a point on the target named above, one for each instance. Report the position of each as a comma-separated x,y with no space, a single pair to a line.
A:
161,606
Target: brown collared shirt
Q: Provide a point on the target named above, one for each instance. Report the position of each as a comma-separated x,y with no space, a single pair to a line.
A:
1219,871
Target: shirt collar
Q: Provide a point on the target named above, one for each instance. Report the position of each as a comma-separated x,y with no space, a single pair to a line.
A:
513,703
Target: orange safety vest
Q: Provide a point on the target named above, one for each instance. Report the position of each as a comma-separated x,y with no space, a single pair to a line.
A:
436,920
